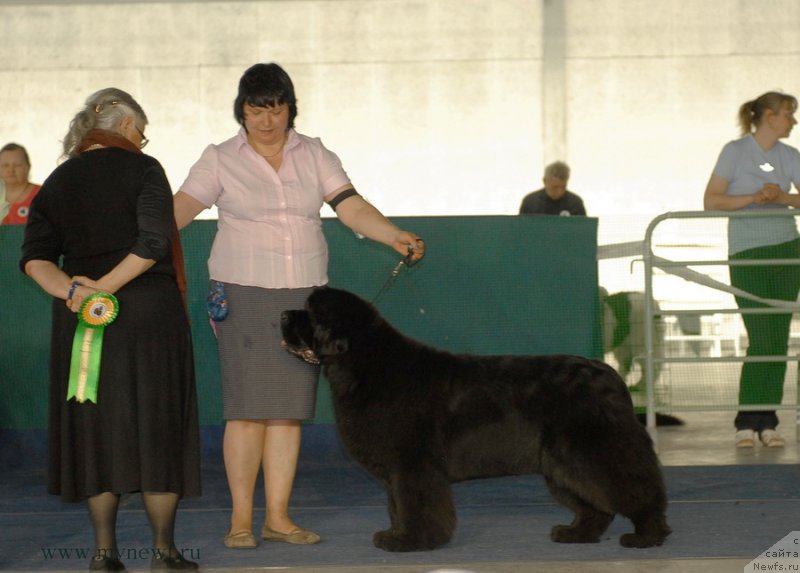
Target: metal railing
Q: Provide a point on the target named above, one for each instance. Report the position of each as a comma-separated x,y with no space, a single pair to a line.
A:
652,262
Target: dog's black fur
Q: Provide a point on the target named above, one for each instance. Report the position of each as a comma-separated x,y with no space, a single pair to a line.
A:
418,419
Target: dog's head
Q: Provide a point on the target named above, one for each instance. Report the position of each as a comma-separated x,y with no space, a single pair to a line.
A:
298,336
325,329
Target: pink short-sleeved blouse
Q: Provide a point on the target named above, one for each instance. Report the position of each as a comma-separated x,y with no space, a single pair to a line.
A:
269,232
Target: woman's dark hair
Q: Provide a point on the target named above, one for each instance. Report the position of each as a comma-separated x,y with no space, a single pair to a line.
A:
265,85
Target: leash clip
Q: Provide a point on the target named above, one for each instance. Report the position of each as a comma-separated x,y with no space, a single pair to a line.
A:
405,262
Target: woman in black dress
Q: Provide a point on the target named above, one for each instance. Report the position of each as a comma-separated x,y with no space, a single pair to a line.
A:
105,216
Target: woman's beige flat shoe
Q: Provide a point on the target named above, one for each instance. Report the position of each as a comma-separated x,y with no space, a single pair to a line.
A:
241,540
298,536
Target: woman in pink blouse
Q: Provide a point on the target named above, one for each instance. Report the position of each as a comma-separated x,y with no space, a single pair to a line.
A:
269,183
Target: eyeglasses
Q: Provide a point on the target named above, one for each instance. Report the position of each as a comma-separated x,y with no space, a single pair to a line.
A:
99,108
144,140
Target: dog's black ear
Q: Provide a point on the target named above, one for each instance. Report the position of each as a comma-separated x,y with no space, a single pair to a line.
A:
326,344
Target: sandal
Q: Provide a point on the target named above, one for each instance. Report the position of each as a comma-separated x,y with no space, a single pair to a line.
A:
240,540
298,536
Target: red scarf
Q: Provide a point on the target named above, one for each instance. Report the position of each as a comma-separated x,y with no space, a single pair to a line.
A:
111,139
106,139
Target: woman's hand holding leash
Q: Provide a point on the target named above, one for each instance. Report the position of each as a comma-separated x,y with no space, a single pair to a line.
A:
409,245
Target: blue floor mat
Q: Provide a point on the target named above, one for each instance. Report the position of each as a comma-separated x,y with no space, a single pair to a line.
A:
719,511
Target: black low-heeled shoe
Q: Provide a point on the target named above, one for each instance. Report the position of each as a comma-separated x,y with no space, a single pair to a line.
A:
167,563
103,563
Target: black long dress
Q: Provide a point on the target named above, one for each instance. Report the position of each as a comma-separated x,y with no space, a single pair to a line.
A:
142,435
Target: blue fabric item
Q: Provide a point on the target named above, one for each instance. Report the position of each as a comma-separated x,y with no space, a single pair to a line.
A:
216,303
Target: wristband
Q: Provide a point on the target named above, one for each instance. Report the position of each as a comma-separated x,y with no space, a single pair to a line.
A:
73,286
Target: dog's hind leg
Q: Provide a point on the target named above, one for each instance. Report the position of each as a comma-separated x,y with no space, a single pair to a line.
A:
648,517
644,500
589,523
651,531
421,510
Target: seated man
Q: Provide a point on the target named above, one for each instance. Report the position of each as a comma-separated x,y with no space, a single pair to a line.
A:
554,199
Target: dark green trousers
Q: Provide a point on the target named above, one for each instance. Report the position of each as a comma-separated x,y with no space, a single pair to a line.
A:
768,334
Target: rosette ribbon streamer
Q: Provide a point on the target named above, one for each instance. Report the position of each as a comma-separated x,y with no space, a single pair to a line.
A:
97,311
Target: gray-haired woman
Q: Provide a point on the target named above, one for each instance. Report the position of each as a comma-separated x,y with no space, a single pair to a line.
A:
130,423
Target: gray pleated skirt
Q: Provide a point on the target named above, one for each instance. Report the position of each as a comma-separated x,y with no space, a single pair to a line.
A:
260,380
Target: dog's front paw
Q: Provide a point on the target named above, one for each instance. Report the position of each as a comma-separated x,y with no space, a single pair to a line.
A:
570,534
392,540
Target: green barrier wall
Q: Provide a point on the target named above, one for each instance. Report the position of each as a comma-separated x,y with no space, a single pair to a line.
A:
488,285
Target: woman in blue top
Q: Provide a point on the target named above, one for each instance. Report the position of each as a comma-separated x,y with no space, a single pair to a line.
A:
757,172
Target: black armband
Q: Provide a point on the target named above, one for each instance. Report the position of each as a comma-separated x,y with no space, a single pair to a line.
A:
341,197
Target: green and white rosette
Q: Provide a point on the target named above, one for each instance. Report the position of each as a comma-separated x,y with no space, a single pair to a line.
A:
97,311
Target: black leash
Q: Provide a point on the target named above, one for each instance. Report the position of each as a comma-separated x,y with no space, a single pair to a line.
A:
406,262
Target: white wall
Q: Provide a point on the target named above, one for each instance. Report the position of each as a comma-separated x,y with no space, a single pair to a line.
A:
435,107
655,88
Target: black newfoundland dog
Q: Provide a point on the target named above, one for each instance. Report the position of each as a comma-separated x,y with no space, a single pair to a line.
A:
418,419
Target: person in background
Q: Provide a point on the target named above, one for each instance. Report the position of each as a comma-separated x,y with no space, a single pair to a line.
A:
106,214
269,183
15,168
3,203
554,198
757,172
